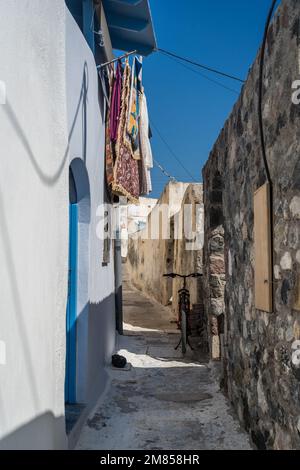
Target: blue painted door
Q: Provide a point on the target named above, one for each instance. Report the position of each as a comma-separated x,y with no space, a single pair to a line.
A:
70,383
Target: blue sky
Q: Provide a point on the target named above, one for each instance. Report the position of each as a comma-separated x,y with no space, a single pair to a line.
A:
188,110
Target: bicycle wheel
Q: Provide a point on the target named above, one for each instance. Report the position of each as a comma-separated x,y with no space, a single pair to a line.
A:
183,331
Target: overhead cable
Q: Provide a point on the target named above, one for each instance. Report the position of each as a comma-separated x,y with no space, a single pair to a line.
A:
172,151
197,64
204,76
260,92
164,171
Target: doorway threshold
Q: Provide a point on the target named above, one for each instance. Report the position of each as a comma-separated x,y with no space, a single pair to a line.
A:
73,414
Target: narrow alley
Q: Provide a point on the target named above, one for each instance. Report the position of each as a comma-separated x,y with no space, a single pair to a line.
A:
149,228
160,401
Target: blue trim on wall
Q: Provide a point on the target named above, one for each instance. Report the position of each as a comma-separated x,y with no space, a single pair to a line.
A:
70,383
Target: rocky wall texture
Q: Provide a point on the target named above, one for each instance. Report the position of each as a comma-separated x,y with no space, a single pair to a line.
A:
262,374
214,265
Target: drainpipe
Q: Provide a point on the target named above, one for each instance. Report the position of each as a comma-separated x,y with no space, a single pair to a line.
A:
118,280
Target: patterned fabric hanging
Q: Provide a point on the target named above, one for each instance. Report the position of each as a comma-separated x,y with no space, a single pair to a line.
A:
116,104
126,173
109,152
134,106
145,146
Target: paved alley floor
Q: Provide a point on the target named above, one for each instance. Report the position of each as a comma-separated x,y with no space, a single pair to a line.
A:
162,401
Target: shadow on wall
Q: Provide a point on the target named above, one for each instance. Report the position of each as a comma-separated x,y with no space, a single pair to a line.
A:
50,180
95,332
84,95
30,437
12,275
100,346
95,322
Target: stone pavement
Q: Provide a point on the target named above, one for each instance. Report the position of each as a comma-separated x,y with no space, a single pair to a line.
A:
162,401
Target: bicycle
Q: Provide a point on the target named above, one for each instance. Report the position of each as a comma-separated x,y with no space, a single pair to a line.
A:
184,308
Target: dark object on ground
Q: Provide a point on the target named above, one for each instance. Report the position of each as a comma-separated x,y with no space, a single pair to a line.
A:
118,361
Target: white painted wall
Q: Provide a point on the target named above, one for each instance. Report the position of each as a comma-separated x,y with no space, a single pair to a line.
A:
33,223
43,92
132,218
96,303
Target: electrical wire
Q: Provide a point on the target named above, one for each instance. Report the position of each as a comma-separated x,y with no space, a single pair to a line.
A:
260,92
197,64
161,168
172,151
262,135
204,76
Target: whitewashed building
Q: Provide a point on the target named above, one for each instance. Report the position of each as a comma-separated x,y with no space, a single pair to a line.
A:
57,297
133,219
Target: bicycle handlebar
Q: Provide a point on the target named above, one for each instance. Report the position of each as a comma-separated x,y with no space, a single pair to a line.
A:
173,275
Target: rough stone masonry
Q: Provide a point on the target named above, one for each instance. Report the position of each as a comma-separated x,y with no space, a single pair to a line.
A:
258,349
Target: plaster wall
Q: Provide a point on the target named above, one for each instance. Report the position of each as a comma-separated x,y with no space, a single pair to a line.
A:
96,304
150,252
52,117
33,224
187,257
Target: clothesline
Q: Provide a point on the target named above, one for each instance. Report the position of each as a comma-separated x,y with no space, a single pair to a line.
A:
115,124
116,60
129,159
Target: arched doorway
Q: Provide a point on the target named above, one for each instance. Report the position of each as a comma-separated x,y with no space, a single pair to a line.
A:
78,274
71,320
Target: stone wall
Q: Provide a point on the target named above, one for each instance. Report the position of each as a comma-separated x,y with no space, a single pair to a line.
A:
262,374
214,265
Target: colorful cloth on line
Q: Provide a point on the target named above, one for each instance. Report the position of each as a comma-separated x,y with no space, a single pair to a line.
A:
145,145
143,178
126,173
116,104
134,105
109,151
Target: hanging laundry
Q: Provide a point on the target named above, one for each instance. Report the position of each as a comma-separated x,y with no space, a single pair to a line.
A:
134,105
116,103
126,174
109,151
104,85
145,145
143,178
